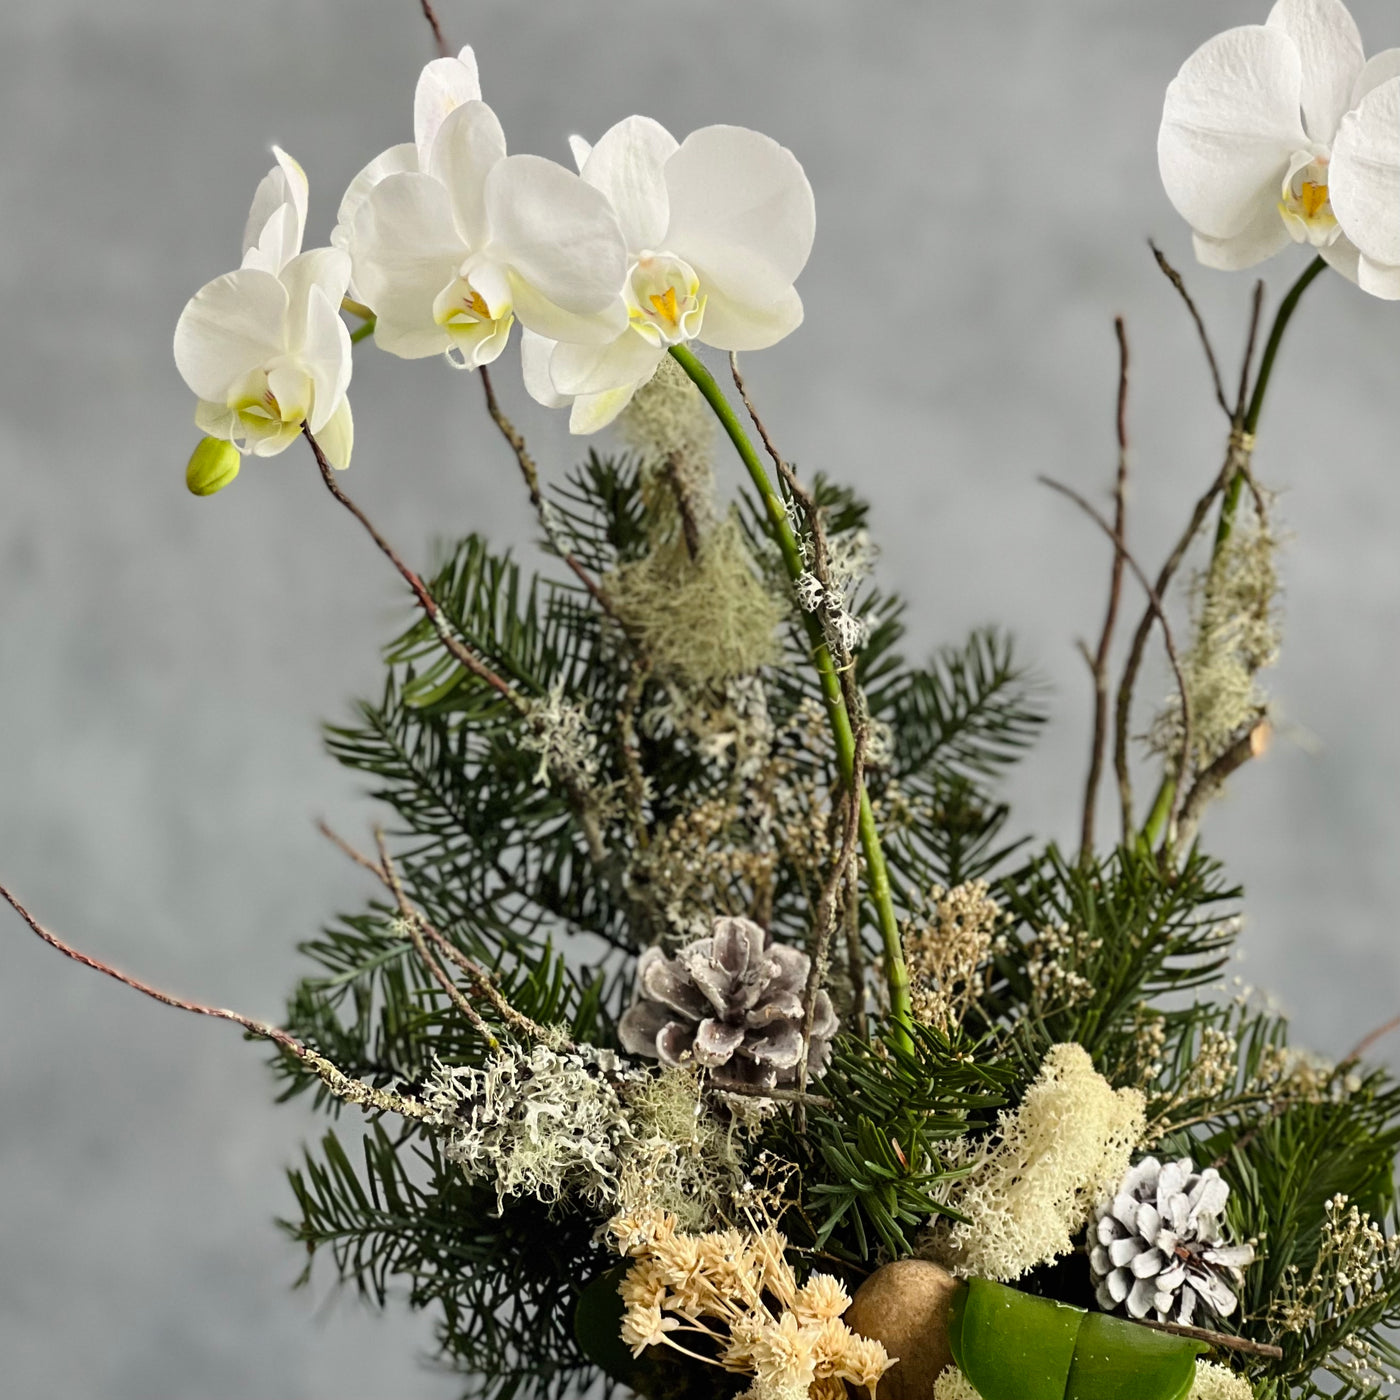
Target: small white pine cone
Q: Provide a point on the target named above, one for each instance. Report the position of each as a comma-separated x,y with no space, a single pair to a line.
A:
1157,1245
730,1002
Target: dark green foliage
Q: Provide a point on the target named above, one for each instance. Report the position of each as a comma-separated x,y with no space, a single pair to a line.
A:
509,868
504,1285
869,1161
1091,946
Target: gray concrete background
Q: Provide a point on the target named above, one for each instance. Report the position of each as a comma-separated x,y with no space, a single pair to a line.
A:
985,182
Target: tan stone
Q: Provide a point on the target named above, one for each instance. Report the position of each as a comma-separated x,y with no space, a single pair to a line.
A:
904,1306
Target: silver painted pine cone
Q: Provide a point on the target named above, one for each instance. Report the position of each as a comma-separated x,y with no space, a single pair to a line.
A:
1157,1245
730,1004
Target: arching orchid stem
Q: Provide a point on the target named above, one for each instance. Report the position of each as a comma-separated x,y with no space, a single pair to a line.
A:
346,1089
1261,387
459,652
439,38
881,896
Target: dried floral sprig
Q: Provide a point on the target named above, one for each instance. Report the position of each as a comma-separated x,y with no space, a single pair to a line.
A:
731,1299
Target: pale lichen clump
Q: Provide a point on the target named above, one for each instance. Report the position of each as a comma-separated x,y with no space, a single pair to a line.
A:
541,1122
736,1291
953,1385
1237,635
698,608
1034,1182
560,732
946,951
668,418
1216,1382
556,1124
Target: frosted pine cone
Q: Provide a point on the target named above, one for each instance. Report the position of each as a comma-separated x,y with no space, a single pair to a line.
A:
729,1004
1157,1245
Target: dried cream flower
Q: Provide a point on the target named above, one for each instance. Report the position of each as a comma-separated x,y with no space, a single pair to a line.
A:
820,1298
1214,1382
953,1385
644,1327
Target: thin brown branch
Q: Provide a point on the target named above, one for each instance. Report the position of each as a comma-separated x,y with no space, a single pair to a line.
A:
348,1090
1123,704
1251,744
459,652
413,926
439,38
752,1091
531,473
1247,364
1155,603
855,955
1098,662
1175,278
1216,1339
690,526
1367,1041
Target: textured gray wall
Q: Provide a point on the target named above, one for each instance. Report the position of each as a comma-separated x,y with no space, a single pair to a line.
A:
985,182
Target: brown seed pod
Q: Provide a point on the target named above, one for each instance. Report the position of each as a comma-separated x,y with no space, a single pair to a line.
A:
904,1306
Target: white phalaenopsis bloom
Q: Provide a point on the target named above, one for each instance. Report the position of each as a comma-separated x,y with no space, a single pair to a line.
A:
717,226
264,348
1283,132
450,238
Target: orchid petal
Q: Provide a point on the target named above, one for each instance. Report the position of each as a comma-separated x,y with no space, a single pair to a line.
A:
397,160
594,411
443,86
628,165
592,369
1229,125
732,325
469,144
327,356
1381,69
742,212
1380,279
325,268
580,150
1364,177
336,437
538,313
215,420
230,327
1329,44
405,249
277,219
557,234
1342,257
1261,239
535,353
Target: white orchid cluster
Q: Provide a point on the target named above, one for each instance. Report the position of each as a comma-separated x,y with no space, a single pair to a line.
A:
446,241
1283,133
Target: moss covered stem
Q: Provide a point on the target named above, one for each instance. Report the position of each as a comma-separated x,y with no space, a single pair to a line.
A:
896,975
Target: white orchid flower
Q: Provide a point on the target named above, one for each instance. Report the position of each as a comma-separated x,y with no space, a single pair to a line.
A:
450,238
443,86
717,228
264,348
1282,132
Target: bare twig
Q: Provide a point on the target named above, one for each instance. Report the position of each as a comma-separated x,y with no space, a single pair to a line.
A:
1175,278
690,526
752,1091
1155,603
855,954
439,38
530,472
348,1090
1367,1041
1098,662
1216,1339
1251,744
458,650
1239,446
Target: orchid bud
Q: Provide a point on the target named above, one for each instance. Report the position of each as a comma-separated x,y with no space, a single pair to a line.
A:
213,464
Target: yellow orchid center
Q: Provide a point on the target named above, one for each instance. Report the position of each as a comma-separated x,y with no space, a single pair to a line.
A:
663,299
1306,206
477,330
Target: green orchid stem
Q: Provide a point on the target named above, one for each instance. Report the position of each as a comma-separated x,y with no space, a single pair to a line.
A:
1155,826
896,974
362,332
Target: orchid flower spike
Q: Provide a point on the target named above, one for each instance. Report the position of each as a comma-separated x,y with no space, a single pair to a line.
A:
717,228
264,348
450,239
1283,132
